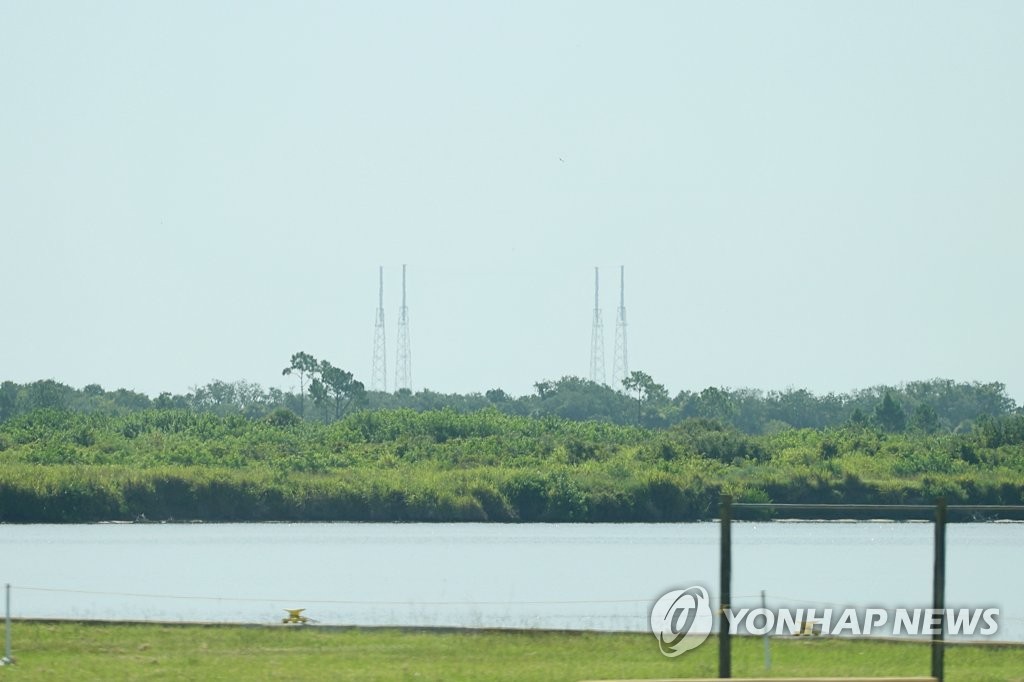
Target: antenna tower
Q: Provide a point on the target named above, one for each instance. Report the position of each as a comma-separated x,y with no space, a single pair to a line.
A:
620,366
379,375
403,367
597,340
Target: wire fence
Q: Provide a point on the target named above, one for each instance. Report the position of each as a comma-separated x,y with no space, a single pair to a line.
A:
628,614
619,614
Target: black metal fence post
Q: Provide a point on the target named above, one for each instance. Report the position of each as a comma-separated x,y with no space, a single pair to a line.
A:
939,588
725,587
7,658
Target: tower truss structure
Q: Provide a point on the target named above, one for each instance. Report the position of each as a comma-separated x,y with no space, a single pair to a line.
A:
597,338
379,374
620,364
403,361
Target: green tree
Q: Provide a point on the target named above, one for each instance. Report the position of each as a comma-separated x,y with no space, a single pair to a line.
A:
8,400
93,390
282,418
889,415
925,419
334,387
718,404
581,399
497,395
647,391
132,401
305,366
47,393
858,418
167,401
318,393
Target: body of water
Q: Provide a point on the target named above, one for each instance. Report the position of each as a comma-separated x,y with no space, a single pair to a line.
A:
556,576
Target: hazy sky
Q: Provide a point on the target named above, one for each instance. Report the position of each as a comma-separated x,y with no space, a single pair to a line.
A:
806,194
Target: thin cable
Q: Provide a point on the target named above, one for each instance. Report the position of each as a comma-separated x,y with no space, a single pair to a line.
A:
332,601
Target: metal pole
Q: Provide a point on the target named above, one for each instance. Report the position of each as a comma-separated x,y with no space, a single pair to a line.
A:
7,660
939,587
767,639
725,581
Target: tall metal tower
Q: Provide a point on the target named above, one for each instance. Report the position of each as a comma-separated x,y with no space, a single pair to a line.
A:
403,366
597,340
620,366
379,375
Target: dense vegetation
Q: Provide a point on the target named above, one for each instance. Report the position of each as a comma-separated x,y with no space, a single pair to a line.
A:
64,465
327,394
573,451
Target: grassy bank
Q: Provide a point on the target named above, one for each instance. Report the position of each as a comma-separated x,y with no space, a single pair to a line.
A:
484,466
143,652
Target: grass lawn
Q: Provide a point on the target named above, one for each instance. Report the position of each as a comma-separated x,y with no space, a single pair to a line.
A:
74,651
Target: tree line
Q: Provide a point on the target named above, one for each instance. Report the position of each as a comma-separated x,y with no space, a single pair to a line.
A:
327,393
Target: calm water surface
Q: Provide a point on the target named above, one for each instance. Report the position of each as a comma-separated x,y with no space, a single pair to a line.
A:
575,576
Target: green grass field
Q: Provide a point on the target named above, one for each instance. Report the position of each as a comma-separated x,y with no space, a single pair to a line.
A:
72,651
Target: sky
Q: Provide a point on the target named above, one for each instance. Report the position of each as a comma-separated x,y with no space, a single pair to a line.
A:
803,194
